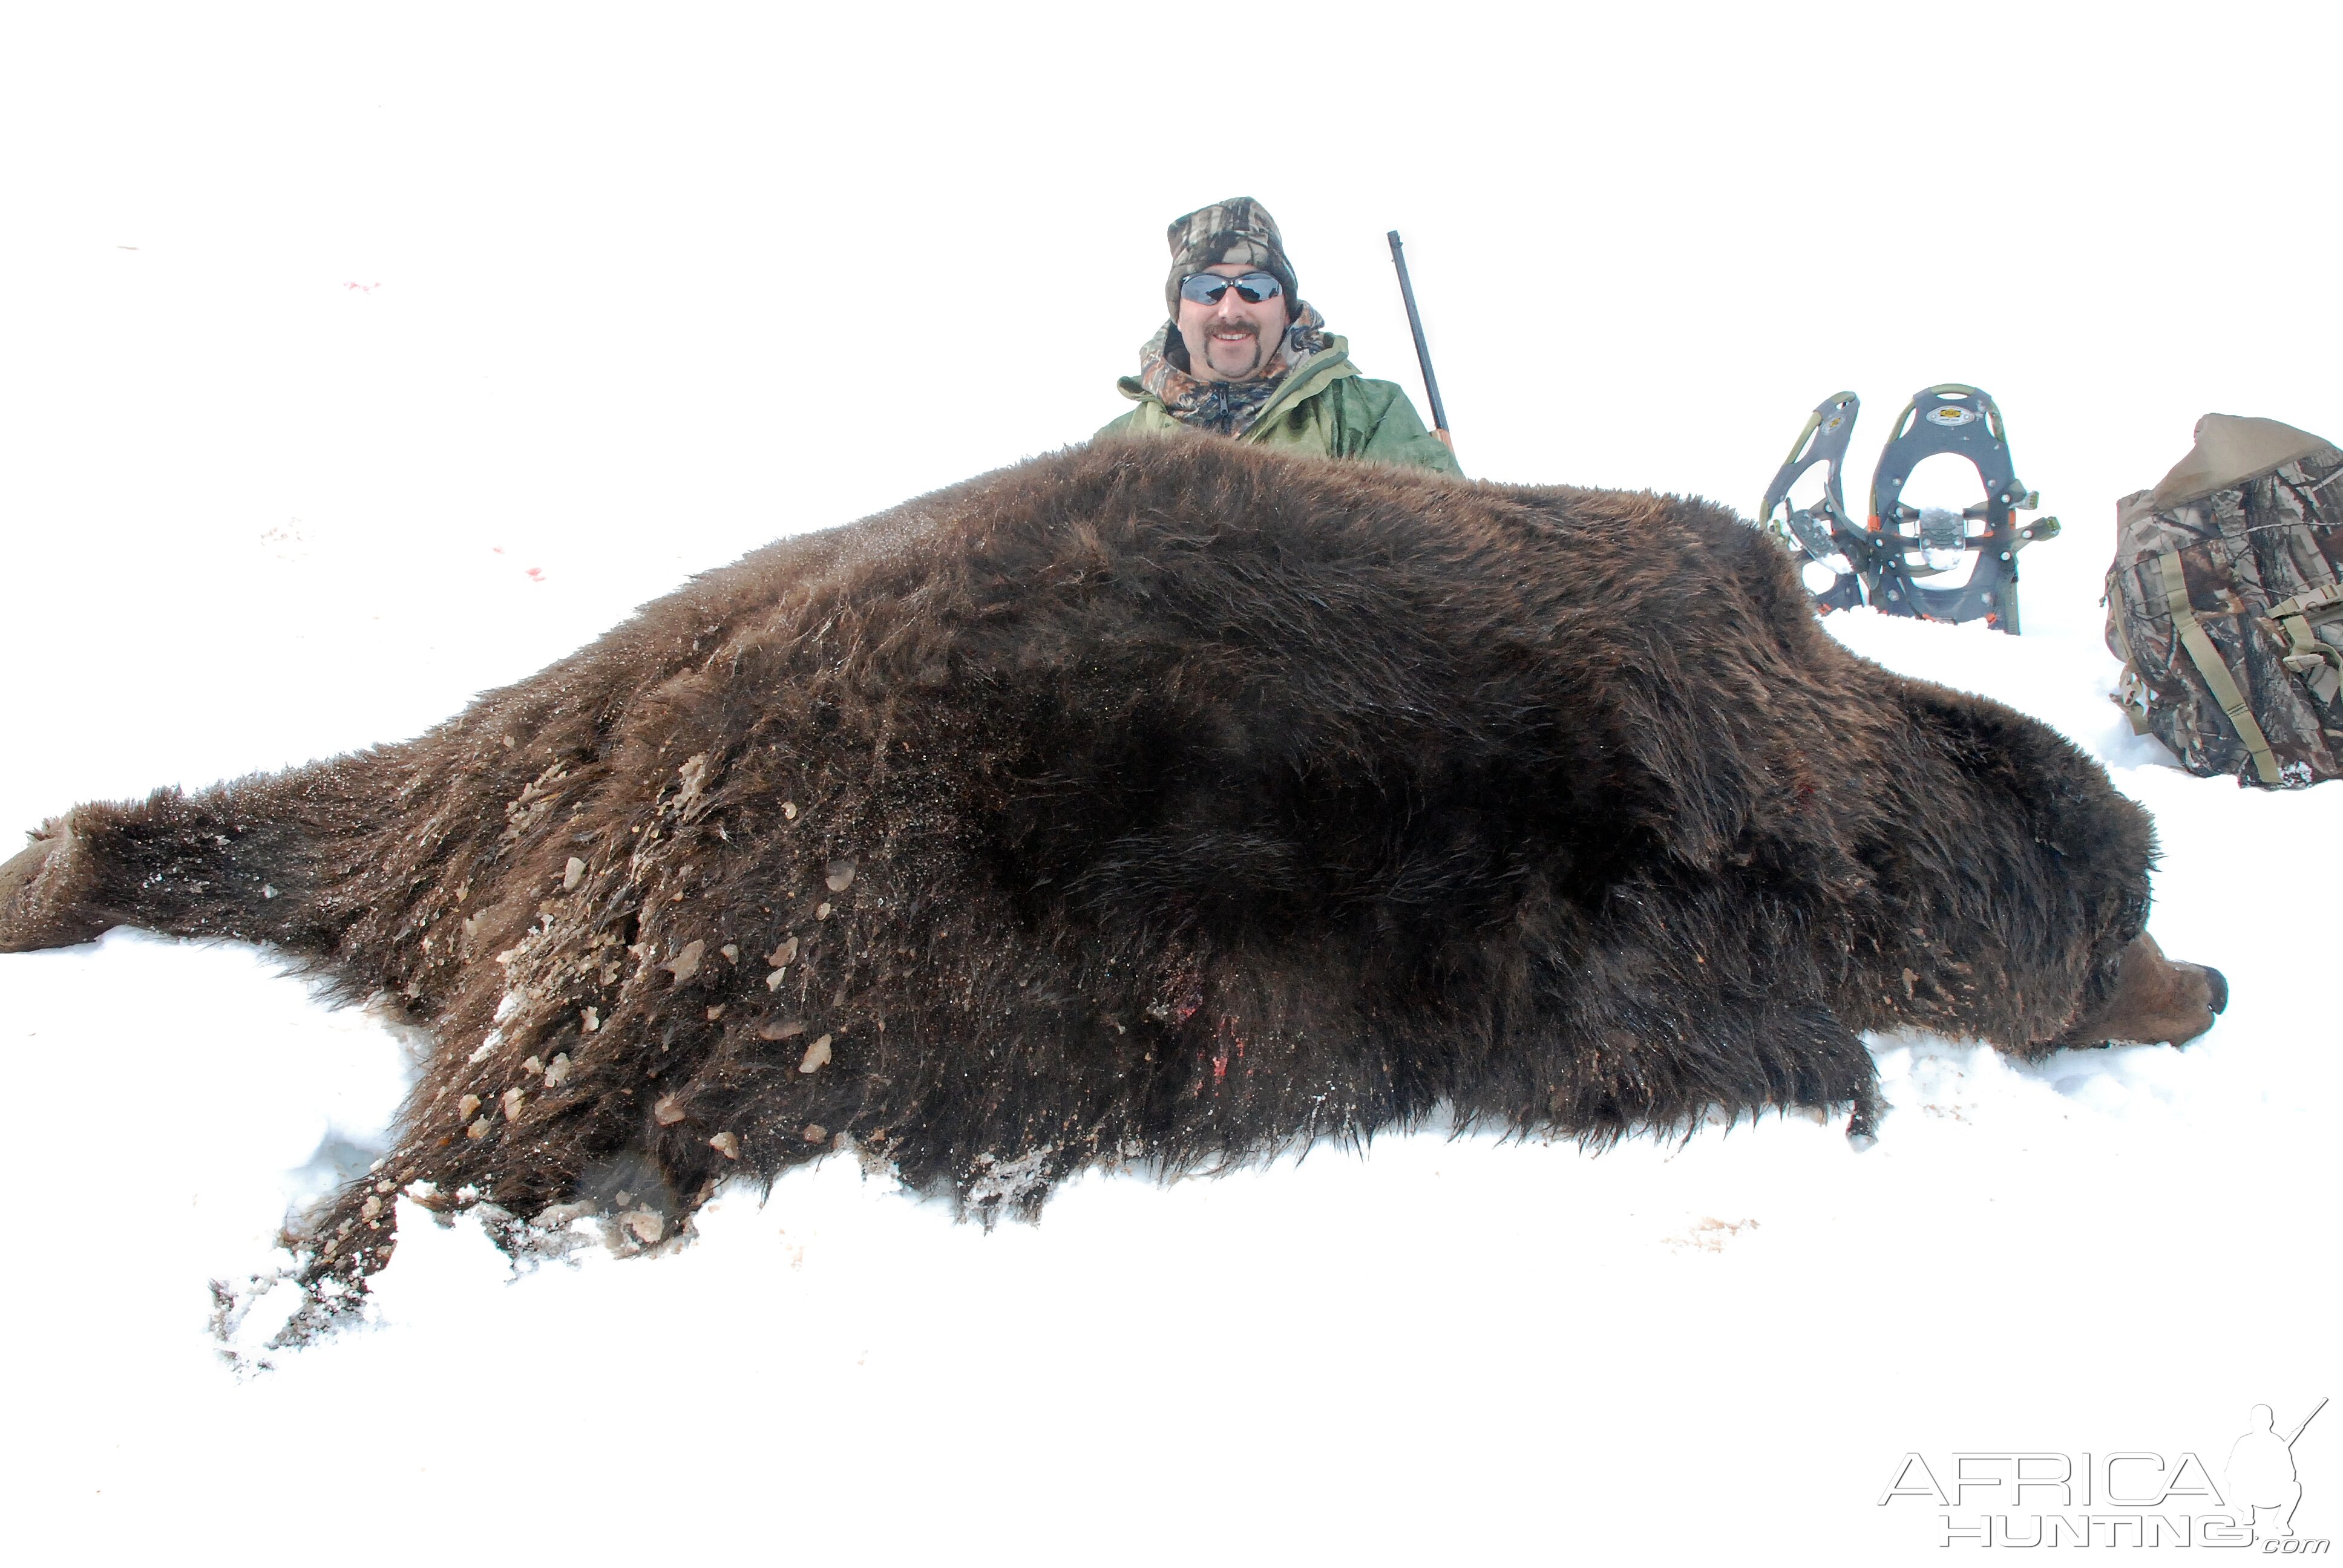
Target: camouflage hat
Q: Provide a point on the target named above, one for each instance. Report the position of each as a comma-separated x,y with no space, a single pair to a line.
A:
1239,229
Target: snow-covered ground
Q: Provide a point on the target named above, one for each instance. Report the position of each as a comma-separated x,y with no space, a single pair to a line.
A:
353,362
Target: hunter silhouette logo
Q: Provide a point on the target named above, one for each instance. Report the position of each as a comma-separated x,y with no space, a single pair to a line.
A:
2127,1498
2263,1487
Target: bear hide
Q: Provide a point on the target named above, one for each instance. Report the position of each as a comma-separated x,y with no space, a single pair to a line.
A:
1164,804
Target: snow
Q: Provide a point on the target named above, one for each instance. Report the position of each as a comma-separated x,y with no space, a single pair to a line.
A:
360,360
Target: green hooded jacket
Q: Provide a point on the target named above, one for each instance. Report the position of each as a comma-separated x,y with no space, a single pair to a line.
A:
1326,406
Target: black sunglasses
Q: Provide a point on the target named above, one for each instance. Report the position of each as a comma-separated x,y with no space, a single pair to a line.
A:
1252,287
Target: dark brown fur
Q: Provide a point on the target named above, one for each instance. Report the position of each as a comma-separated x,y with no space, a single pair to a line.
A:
1164,802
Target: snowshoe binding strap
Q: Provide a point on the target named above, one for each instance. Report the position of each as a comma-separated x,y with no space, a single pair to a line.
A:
1827,542
1962,420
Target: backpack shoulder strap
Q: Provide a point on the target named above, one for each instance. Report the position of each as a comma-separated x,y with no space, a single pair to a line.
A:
2218,678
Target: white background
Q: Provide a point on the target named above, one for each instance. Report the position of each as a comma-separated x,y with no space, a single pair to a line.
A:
356,358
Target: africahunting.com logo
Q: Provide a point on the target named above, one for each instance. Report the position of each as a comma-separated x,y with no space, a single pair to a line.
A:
2133,1498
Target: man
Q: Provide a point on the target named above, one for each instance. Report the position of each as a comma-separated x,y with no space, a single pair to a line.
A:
1243,355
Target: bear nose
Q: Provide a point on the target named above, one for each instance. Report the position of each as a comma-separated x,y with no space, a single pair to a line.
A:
2217,984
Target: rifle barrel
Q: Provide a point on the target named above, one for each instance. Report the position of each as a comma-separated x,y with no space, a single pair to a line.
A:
1415,324
2305,1422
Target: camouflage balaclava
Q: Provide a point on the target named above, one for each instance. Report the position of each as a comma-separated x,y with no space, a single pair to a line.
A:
1239,229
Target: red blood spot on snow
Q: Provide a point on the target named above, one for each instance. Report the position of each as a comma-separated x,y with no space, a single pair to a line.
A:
496,549
535,575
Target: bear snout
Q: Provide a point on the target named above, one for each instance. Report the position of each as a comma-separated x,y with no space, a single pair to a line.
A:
2157,1000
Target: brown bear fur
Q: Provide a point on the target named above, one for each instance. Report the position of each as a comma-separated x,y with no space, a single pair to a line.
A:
1161,802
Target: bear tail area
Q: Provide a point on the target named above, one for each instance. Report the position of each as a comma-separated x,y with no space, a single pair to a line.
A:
260,859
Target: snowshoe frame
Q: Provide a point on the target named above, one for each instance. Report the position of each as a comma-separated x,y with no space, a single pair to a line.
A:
1824,530
1961,419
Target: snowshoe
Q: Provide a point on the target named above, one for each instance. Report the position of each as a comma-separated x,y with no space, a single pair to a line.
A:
1907,543
1828,546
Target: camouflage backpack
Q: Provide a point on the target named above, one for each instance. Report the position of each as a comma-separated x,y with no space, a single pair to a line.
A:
2225,606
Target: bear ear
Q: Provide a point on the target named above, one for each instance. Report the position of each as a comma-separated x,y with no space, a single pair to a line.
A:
42,887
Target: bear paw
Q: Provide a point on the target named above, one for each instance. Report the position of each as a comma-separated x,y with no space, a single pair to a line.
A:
41,892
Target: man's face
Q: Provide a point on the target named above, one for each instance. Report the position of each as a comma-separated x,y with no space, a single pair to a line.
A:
1231,339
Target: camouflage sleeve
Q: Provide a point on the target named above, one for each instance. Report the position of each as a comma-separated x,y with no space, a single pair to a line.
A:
1146,420
1124,424
1397,434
